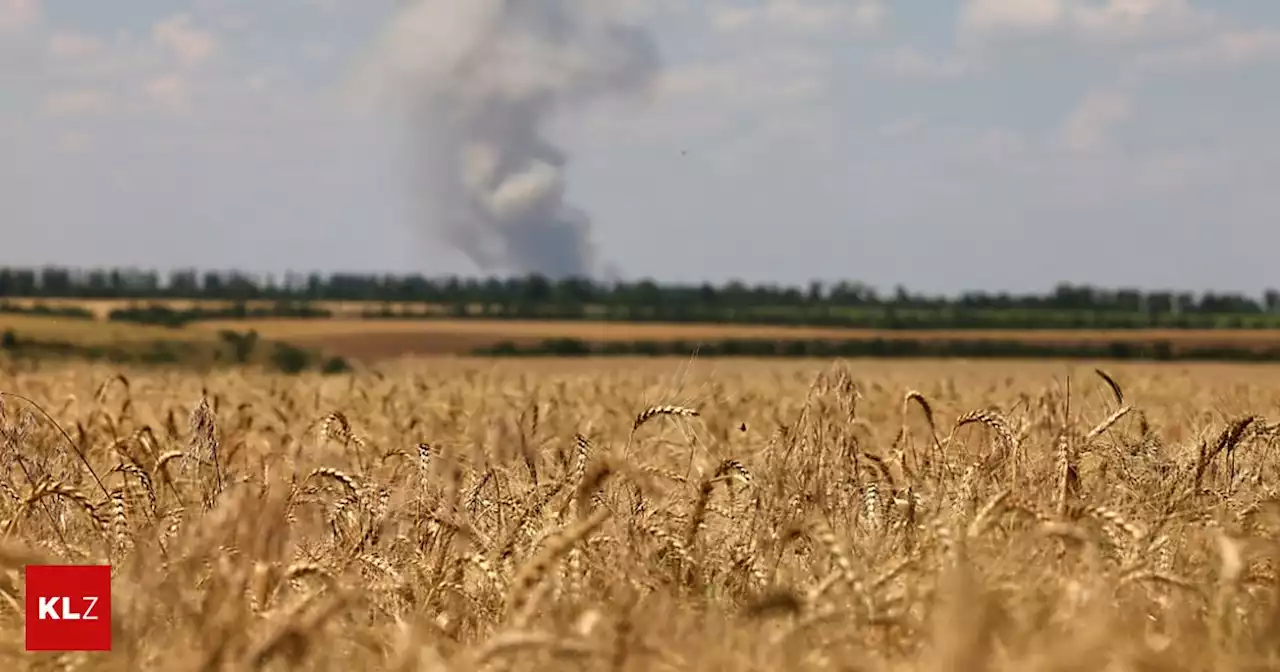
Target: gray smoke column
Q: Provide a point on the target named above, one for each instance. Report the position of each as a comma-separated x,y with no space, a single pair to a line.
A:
480,81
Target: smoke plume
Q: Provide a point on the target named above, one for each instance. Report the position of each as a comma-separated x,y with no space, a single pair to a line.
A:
481,80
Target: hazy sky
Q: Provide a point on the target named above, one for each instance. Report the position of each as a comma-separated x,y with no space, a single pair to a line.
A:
986,144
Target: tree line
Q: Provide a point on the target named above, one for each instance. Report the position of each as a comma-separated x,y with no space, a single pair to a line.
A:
846,303
883,348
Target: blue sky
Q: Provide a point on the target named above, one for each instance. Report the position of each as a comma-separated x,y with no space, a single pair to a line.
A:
947,146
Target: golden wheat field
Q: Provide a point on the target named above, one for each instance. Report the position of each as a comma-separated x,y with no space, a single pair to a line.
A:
655,515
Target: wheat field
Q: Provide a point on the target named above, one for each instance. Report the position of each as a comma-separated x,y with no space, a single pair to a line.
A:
654,515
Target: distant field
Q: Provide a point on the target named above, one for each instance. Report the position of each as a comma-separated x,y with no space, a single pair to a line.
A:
89,332
374,339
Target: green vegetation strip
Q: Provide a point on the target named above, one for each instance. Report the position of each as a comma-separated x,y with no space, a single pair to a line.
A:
859,318
158,314
235,348
888,318
1152,351
41,310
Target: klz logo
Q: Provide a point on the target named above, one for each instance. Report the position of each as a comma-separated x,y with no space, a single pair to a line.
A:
68,607
49,606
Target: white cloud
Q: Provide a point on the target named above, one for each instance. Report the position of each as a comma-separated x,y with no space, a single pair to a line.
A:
74,142
1115,21
147,68
98,61
910,63
1086,128
18,15
736,100
769,77
1168,172
170,92
190,45
901,128
1000,145
260,81
1131,20
647,10
77,102
869,14
73,46
806,16
1010,15
1228,47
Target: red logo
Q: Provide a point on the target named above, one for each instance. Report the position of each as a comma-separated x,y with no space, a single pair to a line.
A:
68,607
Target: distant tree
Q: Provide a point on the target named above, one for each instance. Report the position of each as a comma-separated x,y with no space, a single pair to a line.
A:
335,365
290,358
817,292
242,344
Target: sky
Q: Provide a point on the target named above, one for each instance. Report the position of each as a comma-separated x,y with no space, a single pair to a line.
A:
948,146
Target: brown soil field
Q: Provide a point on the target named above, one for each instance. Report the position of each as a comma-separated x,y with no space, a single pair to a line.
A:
367,339
628,515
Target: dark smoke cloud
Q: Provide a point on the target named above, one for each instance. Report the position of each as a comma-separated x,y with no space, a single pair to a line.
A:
481,80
